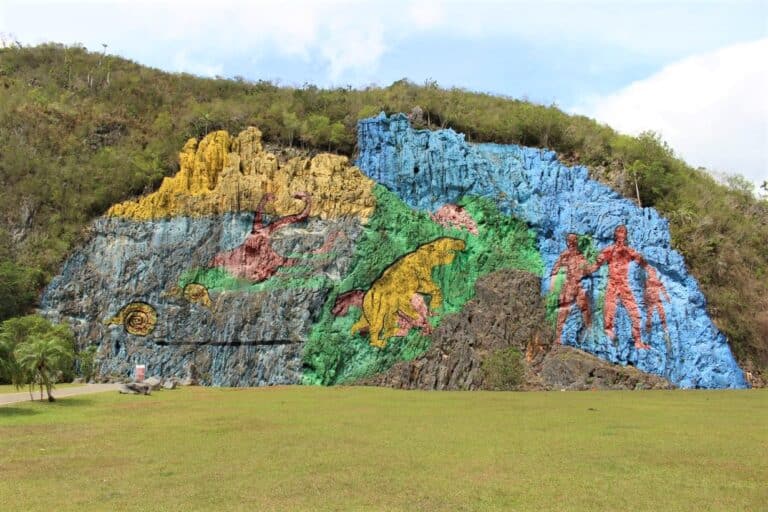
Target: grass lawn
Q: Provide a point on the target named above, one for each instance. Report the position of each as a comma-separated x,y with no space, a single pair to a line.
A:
346,448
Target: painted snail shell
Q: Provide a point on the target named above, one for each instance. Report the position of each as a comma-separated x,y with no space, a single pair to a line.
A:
197,293
138,318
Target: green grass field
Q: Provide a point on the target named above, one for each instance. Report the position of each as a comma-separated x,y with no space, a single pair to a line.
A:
346,448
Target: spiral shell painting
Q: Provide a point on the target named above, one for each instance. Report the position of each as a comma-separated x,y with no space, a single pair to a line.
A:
138,318
198,294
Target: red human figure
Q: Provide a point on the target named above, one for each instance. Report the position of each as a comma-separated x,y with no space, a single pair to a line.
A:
575,265
255,259
618,257
653,290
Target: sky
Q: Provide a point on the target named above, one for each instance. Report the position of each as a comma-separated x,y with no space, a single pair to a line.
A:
696,72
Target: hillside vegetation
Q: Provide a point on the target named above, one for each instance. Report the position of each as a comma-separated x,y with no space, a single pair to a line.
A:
80,131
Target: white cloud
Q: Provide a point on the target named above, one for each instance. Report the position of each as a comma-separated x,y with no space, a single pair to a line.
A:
315,30
348,48
426,14
711,108
182,63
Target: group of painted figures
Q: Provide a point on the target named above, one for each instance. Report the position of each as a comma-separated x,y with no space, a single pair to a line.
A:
256,260
618,257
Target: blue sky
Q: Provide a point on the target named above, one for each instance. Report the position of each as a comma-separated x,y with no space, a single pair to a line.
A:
694,71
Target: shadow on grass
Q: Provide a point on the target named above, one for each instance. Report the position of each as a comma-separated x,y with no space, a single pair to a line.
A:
7,411
72,401
37,406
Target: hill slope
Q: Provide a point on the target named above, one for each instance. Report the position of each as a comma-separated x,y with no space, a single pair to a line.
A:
241,270
80,131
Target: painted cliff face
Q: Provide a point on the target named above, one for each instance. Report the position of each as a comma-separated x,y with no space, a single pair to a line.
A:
222,271
249,271
624,296
394,303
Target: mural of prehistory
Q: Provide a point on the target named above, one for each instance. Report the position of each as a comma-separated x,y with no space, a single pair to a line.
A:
616,276
409,269
393,303
220,273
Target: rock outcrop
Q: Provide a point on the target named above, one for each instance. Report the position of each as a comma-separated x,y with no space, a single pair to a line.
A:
507,312
224,174
409,270
429,169
568,368
145,289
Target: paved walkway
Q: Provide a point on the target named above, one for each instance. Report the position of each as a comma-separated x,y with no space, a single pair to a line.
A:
86,389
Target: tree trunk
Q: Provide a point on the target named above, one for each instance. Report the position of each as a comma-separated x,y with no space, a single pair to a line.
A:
48,386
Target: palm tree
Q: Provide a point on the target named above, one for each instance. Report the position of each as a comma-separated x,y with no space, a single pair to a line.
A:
9,367
44,358
34,351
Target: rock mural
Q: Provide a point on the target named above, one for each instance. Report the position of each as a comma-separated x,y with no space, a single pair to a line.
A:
409,274
393,303
255,259
618,257
138,318
405,270
495,319
571,291
224,253
632,273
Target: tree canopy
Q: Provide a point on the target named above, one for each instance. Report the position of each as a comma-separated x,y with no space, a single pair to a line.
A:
35,352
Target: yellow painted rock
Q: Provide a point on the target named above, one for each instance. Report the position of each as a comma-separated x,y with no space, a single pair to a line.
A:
224,174
137,318
392,293
197,294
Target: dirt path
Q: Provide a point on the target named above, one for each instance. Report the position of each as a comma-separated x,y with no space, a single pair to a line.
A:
86,389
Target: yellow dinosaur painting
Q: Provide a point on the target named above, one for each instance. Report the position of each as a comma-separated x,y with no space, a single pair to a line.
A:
389,297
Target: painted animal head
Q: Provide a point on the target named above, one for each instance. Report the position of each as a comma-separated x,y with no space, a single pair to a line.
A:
442,251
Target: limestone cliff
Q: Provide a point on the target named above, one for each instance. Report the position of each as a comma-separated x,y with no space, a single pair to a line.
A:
618,290
223,174
406,270
160,251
